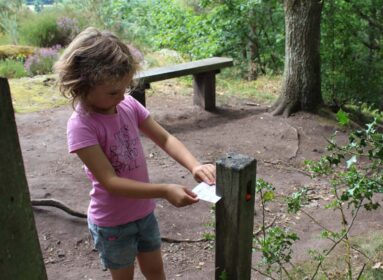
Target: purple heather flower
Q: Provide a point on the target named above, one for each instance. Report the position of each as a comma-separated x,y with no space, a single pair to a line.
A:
42,60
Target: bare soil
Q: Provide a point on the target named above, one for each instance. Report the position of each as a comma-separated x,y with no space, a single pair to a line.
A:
280,146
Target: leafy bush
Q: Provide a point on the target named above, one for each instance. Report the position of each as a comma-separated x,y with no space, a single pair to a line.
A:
352,53
12,68
125,18
48,28
355,178
41,61
40,30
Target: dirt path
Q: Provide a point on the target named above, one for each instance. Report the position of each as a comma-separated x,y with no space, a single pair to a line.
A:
279,145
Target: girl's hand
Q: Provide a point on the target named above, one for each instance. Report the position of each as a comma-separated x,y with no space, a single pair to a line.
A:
180,196
205,173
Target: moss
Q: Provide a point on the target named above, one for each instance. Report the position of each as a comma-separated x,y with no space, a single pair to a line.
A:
35,94
14,51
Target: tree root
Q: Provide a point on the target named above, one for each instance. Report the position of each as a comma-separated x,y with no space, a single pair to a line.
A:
283,108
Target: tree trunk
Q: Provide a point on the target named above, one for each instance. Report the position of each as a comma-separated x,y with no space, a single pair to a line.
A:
301,87
253,49
20,253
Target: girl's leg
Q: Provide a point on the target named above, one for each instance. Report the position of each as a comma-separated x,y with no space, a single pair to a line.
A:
123,273
151,265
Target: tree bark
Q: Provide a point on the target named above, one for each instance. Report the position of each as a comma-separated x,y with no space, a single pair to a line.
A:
20,253
301,86
253,49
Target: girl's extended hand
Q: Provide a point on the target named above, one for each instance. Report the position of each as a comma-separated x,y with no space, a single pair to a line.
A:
180,196
205,173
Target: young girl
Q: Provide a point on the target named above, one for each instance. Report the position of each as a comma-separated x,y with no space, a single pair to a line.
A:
95,71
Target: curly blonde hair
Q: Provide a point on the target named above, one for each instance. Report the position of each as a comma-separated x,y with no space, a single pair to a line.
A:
94,57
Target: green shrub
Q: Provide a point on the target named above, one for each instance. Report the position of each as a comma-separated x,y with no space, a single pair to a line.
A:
12,68
40,30
48,28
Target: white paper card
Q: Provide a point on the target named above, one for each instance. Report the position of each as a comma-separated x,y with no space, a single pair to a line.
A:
206,192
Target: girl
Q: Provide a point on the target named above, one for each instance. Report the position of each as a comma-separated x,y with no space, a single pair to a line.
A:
95,71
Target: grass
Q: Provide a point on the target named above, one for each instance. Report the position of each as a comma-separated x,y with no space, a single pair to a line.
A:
39,92
263,90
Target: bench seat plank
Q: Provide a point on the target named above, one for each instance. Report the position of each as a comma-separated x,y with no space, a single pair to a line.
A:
203,72
183,69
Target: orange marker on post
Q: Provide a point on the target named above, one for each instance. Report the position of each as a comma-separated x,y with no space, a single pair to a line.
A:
248,197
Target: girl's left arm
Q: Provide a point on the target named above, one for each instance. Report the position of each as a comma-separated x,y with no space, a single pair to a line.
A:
173,147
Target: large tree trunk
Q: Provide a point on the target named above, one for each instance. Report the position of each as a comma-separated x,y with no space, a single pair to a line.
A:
301,87
20,253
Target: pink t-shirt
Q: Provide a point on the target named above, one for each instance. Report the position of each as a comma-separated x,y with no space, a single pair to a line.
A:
118,136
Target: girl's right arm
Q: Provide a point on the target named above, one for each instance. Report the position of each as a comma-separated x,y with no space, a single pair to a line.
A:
97,162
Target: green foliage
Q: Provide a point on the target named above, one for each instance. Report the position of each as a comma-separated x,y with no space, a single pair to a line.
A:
276,246
266,190
275,243
355,176
8,24
208,236
360,163
221,28
343,118
10,6
8,18
352,51
125,18
176,27
351,46
355,172
223,276
12,68
47,28
296,200
250,31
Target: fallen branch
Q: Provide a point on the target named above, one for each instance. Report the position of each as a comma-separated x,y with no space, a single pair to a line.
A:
67,209
57,204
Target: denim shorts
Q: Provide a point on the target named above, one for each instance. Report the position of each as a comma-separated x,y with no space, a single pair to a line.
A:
118,246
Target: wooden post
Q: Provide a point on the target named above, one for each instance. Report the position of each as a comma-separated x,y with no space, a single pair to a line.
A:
139,93
204,90
20,253
236,180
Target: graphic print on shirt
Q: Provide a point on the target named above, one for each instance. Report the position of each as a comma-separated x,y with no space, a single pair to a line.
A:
124,154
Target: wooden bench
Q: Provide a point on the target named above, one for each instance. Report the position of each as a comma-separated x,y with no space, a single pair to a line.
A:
203,72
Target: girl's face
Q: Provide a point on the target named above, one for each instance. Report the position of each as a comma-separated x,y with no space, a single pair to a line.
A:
104,98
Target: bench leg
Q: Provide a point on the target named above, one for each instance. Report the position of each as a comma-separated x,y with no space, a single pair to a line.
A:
204,90
139,93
